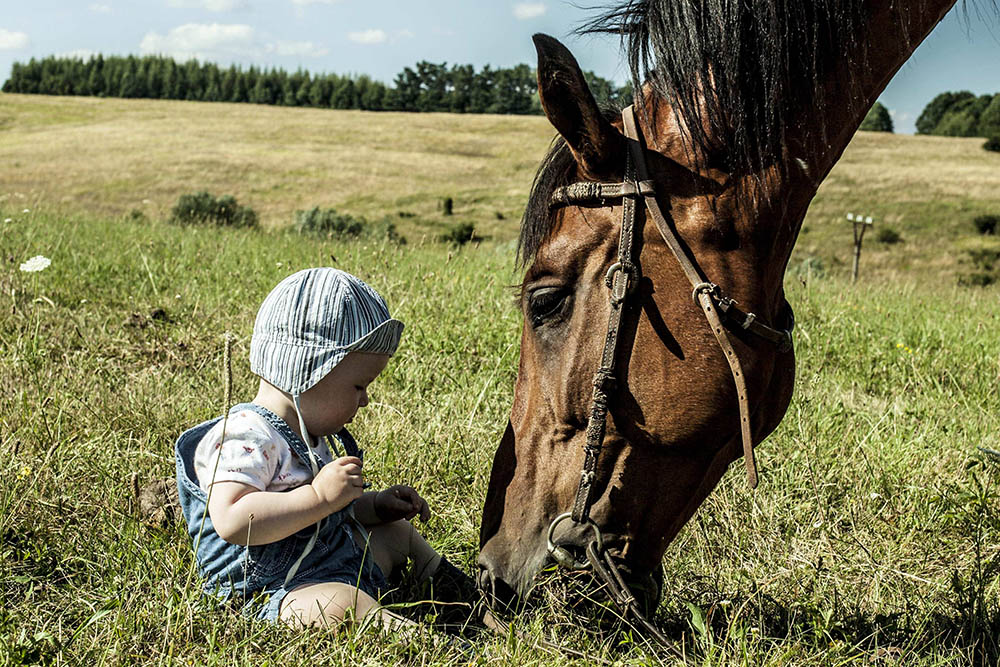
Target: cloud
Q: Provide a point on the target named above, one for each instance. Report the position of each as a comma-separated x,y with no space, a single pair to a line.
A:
210,5
221,41
202,41
307,49
10,41
303,3
99,8
528,10
373,36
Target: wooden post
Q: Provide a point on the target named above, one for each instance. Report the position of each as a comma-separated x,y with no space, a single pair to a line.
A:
861,223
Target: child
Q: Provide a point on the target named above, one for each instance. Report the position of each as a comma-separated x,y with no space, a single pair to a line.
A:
287,522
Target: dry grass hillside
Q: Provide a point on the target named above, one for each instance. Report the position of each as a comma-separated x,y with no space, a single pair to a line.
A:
111,157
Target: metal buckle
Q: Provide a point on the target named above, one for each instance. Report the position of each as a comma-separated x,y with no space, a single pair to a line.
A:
627,286
560,554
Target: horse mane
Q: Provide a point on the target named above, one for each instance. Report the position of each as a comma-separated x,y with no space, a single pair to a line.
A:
735,71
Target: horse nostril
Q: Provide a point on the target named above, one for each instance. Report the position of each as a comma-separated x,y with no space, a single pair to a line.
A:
497,591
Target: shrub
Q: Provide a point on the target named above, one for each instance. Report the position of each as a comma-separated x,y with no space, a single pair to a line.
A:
888,235
984,258
461,234
328,222
976,279
992,144
986,224
204,208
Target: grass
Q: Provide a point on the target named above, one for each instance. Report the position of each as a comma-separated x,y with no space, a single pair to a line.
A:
873,539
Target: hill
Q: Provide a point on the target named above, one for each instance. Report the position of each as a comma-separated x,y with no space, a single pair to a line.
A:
112,156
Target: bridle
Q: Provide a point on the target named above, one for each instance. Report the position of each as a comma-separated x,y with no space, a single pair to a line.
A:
621,279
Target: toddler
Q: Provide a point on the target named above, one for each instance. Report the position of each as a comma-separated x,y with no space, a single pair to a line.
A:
277,512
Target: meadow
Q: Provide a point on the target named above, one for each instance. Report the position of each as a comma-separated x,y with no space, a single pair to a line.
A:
874,538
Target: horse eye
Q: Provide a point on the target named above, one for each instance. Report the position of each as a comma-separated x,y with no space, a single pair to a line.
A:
544,303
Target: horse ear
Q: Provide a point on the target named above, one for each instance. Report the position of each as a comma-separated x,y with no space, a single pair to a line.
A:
572,110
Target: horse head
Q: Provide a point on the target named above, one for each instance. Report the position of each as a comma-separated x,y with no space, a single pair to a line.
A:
672,427
673,420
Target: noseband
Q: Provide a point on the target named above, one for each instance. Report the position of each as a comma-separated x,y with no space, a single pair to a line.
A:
621,279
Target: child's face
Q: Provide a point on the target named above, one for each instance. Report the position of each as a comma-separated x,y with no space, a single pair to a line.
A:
335,399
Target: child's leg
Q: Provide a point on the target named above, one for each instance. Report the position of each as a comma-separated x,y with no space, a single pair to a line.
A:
393,543
326,605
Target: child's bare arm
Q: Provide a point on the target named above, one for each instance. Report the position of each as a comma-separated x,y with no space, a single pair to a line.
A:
276,515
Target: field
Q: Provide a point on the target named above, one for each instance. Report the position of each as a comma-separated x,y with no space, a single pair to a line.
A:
874,538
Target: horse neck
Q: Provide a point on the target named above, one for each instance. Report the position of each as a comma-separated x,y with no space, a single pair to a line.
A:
893,30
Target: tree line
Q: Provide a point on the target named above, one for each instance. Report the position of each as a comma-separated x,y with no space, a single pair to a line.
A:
961,114
425,87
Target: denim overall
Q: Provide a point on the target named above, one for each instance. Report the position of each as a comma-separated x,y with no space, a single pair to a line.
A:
234,571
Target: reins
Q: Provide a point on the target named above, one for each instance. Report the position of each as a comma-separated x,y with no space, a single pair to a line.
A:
621,279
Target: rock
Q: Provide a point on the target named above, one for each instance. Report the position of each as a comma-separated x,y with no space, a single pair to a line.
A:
158,503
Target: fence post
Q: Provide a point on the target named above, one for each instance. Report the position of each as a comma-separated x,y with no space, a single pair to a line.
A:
861,223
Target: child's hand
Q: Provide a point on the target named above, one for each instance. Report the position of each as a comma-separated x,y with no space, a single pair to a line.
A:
339,483
400,502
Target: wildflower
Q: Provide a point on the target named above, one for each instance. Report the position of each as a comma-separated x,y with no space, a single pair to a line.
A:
177,296
27,210
8,219
899,345
25,472
36,263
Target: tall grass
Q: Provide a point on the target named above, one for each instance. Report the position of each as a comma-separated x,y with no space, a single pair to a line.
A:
873,539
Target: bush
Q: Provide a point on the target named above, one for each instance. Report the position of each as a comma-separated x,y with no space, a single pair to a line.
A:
461,234
984,258
204,208
986,224
992,144
888,235
328,222
976,279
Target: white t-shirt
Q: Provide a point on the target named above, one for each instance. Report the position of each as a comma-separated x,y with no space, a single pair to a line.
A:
254,453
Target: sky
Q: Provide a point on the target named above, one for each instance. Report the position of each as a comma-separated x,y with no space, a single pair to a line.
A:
381,37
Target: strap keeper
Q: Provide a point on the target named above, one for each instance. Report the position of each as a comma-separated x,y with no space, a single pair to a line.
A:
710,288
749,320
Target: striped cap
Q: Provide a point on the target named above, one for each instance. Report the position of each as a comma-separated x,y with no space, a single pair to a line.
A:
311,320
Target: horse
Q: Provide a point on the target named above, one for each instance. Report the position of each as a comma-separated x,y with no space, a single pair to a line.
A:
631,402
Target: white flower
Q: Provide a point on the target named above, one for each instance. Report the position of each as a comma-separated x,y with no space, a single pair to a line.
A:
8,219
27,210
36,263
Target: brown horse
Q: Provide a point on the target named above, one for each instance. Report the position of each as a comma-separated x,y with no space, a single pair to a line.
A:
747,108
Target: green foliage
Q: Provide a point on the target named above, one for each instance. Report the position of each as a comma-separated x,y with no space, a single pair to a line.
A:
332,224
986,224
426,87
877,120
992,144
989,119
460,234
205,208
327,222
961,114
985,267
888,236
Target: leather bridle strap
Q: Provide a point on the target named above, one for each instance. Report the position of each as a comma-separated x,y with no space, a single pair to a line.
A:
704,292
622,278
